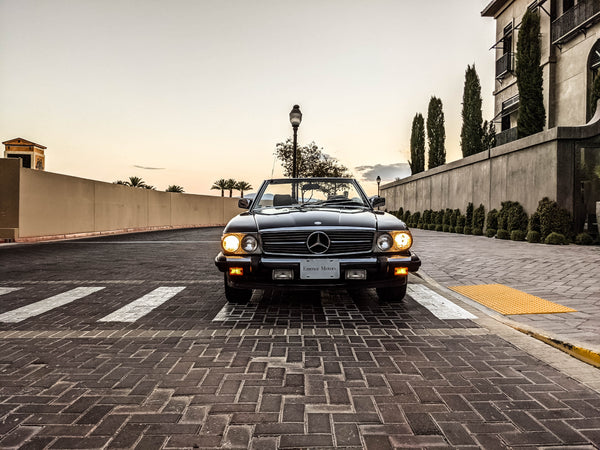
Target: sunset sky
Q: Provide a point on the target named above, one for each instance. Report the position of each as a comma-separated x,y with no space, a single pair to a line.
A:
201,90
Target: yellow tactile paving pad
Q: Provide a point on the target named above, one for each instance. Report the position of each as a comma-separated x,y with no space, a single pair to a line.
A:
509,301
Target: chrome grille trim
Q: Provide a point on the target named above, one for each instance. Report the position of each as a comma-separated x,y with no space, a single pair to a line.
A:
343,242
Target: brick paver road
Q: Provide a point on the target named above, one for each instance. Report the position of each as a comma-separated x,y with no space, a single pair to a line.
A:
286,371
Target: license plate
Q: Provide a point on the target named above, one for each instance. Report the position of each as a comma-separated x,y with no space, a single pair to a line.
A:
319,269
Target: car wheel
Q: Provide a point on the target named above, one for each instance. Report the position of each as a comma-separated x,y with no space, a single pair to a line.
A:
235,295
391,294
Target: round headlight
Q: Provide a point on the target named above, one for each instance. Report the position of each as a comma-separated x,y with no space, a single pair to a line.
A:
231,243
385,242
403,240
249,244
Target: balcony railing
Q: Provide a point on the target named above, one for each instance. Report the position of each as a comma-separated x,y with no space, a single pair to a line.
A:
506,136
504,65
579,17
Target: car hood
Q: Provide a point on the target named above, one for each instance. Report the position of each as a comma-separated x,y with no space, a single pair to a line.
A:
291,218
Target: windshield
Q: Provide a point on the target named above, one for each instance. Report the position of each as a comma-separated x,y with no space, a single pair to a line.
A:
311,192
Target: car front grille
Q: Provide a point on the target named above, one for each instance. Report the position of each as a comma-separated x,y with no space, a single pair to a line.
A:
294,242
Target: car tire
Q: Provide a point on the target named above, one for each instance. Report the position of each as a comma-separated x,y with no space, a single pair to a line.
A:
235,295
392,294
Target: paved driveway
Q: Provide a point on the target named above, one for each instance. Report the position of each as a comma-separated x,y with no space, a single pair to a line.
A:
127,341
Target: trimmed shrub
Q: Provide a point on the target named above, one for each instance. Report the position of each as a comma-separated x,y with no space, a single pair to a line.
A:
406,217
517,235
420,224
431,227
447,215
479,218
533,237
467,229
439,217
512,216
555,238
446,228
454,217
439,227
534,222
477,232
492,220
554,219
469,216
503,234
460,223
584,239
416,217
400,213
490,232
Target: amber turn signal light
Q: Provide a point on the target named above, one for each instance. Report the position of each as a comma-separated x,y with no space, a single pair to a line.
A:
236,271
400,270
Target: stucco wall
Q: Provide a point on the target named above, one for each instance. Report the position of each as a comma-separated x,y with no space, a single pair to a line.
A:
523,171
43,204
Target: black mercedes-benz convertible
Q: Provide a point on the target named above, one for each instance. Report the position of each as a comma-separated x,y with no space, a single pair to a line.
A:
315,233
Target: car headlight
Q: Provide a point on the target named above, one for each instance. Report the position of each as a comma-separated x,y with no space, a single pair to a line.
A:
385,242
249,243
394,241
239,243
230,243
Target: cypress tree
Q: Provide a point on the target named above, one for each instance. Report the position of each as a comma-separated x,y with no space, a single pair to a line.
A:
532,115
472,132
436,133
417,145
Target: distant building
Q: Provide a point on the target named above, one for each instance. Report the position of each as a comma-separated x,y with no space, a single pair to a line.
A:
570,38
31,153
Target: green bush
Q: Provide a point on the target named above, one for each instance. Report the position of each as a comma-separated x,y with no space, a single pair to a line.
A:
415,218
517,235
492,220
479,218
517,219
431,227
490,232
467,229
554,219
420,224
439,227
426,217
584,239
503,234
439,217
400,213
446,218
469,216
555,238
446,228
460,223
477,232
406,217
534,222
533,237
454,217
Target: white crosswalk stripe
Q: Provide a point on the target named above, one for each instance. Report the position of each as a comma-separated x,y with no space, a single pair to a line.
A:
7,290
37,308
143,305
436,304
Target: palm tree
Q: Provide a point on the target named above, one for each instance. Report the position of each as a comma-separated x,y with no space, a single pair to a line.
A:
174,188
231,185
220,184
135,182
242,186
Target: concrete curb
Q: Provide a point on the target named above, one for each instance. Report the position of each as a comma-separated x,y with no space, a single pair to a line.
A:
574,349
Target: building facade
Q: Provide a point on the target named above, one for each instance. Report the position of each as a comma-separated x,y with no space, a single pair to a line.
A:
570,38
31,154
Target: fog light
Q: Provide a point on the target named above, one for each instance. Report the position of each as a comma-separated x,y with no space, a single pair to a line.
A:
356,274
400,270
236,271
283,274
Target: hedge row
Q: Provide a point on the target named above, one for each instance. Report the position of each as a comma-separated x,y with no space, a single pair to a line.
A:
549,223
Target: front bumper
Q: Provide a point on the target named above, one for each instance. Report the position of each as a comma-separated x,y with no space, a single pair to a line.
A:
258,271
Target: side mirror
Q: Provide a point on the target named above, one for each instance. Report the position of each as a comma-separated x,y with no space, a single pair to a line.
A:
377,201
244,203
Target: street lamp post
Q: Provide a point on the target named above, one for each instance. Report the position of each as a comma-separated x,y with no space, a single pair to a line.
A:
295,119
378,182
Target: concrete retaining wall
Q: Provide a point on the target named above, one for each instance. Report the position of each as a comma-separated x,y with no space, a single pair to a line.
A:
525,170
38,205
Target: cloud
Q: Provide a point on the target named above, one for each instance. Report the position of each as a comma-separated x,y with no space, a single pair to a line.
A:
387,172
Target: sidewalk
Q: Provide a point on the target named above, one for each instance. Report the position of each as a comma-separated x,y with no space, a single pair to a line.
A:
567,275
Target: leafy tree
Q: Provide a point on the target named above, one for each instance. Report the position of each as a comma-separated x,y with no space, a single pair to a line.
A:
436,133
417,145
532,115
242,186
310,161
595,94
175,188
488,135
231,185
471,135
220,185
